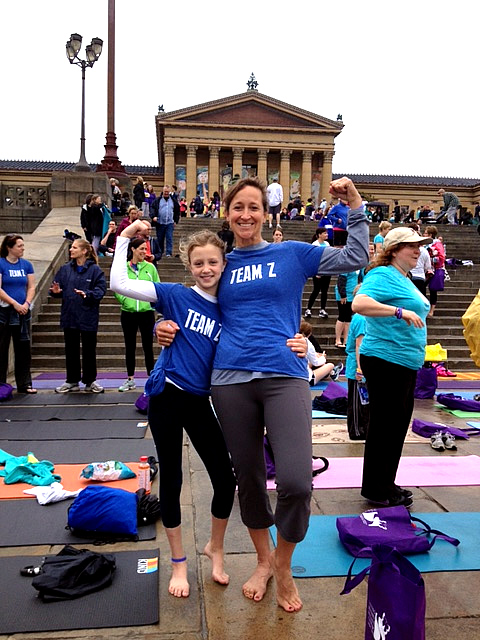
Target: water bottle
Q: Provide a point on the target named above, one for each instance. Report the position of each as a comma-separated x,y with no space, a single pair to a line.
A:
363,392
144,474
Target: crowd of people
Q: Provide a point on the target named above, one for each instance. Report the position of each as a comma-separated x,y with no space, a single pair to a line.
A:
213,335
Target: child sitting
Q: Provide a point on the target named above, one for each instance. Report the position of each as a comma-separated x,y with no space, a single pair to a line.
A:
318,366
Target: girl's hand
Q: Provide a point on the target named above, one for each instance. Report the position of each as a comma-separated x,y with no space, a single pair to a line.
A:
165,332
140,228
298,344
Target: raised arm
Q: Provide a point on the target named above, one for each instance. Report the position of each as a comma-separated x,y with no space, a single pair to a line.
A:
119,280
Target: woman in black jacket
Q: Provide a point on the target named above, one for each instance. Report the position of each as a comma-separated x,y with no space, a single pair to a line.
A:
139,193
81,285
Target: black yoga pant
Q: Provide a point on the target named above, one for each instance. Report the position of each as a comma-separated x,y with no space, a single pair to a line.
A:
320,285
390,390
169,414
132,321
22,354
88,362
284,407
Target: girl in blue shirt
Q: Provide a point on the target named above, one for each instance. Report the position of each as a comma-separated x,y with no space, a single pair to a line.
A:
391,352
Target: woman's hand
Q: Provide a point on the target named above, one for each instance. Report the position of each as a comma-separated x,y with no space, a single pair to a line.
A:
80,293
21,309
165,332
344,189
411,317
55,288
140,228
298,344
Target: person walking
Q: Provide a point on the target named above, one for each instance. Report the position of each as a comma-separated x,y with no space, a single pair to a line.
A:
81,285
450,205
137,315
17,289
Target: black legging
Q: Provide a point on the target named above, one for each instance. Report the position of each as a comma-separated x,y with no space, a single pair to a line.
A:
169,414
320,284
132,321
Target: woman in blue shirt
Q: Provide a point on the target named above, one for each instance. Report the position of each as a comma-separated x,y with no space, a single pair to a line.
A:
391,353
17,288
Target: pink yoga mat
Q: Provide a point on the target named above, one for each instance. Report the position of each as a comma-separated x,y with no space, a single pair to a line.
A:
421,471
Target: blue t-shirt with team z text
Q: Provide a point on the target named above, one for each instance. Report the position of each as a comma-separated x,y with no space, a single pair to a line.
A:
15,277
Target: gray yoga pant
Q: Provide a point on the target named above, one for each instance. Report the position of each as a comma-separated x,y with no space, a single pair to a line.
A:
283,405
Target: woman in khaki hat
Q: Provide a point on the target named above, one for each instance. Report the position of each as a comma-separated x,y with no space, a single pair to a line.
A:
391,352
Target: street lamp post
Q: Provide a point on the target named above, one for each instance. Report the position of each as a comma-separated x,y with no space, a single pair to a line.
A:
92,52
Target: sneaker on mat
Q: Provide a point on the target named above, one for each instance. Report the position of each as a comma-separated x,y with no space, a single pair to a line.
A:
128,385
449,441
436,441
94,388
67,386
336,371
322,314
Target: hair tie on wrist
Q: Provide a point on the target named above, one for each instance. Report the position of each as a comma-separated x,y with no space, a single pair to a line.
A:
399,313
179,559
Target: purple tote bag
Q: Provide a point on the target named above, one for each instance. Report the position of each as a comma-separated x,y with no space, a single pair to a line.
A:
426,383
452,401
395,599
392,526
334,390
427,429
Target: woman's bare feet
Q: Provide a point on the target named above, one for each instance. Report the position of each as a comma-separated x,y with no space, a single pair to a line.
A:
256,586
287,593
216,556
179,586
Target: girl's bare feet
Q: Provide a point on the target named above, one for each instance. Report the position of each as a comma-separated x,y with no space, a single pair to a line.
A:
179,586
216,556
256,586
287,593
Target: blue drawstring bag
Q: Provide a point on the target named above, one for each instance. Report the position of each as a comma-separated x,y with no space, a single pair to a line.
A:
100,512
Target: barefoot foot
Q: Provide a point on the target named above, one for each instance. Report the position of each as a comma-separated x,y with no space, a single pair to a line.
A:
216,556
287,593
179,586
256,586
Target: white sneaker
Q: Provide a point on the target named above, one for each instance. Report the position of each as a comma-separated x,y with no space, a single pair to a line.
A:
94,388
128,385
322,314
308,313
67,386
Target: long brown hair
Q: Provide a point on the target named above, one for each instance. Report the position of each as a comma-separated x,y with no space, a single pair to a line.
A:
84,244
9,241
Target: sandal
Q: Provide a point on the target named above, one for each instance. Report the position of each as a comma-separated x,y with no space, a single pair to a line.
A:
28,390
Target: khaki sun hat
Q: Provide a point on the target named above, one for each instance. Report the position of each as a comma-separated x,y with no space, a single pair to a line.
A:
403,234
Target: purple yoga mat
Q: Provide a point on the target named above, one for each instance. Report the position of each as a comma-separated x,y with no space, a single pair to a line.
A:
421,471
110,383
103,375
453,383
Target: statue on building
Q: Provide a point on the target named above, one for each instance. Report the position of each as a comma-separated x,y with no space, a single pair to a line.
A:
160,108
252,84
339,118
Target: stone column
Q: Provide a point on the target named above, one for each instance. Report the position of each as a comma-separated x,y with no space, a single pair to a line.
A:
326,174
191,172
237,161
285,174
262,164
169,170
213,171
306,178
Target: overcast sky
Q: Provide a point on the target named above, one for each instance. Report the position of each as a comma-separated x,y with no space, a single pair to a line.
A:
404,75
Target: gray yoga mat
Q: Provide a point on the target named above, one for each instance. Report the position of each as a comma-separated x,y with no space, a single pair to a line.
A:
24,522
131,600
59,412
82,451
73,429
67,399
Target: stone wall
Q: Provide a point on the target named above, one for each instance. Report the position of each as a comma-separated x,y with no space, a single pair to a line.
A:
69,188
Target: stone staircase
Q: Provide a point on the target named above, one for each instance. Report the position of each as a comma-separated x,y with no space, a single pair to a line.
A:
445,327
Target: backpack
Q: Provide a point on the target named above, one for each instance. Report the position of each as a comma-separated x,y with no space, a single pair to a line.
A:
104,513
330,405
73,573
270,461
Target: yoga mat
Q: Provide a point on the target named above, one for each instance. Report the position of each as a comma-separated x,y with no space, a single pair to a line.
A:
337,432
71,481
72,429
106,383
131,600
323,385
415,471
113,375
324,414
89,412
322,554
458,413
25,522
475,425
453,383
83,451
49,399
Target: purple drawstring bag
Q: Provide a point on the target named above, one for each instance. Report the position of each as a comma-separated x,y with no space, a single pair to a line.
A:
393,526
426,383
396,596
334,390
452,401
141,403
427,429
